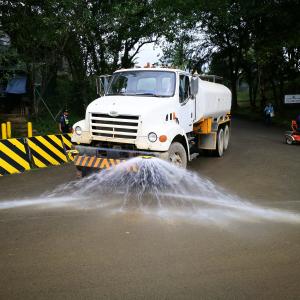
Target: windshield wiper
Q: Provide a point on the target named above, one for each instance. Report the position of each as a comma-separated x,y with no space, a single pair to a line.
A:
136,94
115,94
147,94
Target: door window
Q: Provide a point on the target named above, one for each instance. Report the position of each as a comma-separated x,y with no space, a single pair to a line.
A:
184,88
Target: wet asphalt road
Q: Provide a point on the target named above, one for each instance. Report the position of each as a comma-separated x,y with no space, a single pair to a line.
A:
77,253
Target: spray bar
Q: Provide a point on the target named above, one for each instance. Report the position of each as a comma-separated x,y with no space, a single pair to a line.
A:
113,152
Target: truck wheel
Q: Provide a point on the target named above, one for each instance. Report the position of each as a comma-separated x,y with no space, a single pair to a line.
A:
177,155
220,143
226,137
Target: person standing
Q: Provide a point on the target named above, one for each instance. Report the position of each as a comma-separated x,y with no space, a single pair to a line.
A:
269,113
64,123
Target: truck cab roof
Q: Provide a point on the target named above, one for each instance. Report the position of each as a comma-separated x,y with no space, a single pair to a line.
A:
153,70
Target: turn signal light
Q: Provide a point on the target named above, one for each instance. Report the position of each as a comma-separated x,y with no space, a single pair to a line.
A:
163,138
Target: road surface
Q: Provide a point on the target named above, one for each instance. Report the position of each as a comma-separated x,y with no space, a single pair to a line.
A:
62,251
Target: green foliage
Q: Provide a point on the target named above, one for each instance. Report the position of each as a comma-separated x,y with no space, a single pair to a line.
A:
86,37
257,41
67,42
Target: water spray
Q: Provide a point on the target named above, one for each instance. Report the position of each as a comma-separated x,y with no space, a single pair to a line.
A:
154,186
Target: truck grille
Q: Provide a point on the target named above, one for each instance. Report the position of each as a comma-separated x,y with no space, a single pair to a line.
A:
120,127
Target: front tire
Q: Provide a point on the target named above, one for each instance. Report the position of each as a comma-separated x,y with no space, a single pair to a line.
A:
177,155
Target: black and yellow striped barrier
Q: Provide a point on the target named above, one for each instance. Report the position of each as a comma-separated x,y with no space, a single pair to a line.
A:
47,150
66,139
14,156
22,154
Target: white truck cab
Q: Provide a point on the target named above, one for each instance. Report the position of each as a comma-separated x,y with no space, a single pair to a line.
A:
162,112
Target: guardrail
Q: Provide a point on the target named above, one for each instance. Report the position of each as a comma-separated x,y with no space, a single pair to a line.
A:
18,155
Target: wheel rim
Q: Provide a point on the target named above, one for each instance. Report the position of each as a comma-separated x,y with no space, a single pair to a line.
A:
176,159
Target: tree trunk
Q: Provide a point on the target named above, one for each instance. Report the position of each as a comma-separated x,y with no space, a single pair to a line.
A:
234,93
281,93
262,89
274,91
125,61
233,81
250,83
255,87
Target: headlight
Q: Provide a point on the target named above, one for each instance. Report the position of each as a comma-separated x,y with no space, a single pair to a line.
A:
152,137
78,130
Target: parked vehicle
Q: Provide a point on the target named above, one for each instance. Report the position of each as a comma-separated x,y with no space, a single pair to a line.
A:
293,136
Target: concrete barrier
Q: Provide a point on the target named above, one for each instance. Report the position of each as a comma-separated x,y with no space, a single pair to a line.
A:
47,150
14,156
66,139
21,154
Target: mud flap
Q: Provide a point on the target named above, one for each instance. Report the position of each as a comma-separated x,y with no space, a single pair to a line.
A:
208,141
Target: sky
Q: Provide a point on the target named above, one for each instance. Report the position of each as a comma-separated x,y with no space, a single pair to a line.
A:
148,53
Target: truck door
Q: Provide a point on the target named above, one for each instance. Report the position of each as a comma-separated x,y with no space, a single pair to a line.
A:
186,111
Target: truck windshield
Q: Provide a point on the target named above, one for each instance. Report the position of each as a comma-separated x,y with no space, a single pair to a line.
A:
143,83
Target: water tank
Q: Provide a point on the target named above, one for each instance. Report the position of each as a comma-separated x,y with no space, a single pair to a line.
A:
212,99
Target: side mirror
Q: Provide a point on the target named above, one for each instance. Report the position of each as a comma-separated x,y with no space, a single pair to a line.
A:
194,86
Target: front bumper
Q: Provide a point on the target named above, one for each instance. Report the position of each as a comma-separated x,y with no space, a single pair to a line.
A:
96,162
106,158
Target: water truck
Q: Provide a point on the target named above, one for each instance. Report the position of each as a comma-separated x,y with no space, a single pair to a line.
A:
153,112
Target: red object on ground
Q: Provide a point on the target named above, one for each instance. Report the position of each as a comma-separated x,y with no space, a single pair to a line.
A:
292,137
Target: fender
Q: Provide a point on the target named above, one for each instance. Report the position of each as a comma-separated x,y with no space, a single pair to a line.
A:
172,133
85,137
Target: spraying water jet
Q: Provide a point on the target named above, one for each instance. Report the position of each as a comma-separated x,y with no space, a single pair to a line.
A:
159,188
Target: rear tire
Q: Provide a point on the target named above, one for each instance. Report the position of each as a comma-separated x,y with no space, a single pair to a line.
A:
220,143
226,137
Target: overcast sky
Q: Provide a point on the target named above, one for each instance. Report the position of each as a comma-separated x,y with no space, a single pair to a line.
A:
148,53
